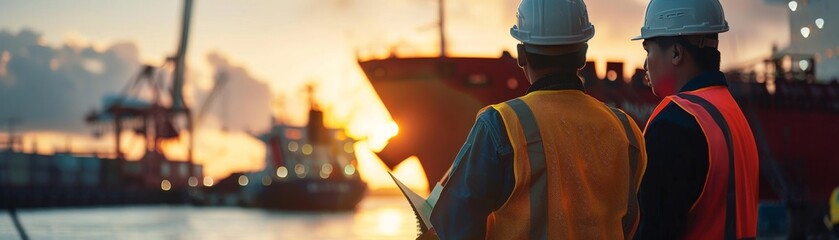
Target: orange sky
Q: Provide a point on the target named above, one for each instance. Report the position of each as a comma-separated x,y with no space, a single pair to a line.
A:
286,44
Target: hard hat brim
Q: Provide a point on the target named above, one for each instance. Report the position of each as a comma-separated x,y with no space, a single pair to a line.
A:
639,37
554,50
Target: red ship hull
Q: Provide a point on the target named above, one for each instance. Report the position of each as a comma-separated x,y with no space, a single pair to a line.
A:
435,100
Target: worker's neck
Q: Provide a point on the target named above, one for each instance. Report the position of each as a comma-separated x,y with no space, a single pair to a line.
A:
686,74
536,74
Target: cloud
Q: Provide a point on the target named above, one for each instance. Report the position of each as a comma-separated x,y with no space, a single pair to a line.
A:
243,103
53,88
50,88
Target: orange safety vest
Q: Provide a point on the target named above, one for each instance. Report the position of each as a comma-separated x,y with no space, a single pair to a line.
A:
578,165
727,206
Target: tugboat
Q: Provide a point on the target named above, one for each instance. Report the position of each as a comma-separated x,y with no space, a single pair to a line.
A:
309,168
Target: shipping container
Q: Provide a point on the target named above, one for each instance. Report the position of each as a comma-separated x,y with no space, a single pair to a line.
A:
4,162
132,167
41,165
68,168
110,173
19,170
90,171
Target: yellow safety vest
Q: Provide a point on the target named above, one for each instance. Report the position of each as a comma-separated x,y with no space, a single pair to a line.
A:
578,165
834,206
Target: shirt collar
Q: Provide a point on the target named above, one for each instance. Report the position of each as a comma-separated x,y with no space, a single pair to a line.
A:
561,81
705,79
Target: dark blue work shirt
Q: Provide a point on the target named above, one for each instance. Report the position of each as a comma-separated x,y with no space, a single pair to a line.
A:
482,177
677,163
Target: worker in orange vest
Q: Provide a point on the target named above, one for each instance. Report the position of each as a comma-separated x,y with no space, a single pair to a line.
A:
553,164
701,180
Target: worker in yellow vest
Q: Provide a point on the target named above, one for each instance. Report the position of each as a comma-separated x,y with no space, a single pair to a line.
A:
701,180
553,164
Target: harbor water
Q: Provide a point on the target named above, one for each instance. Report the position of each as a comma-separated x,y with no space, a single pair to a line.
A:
376,217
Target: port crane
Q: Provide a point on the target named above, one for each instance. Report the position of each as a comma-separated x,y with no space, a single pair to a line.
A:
153,106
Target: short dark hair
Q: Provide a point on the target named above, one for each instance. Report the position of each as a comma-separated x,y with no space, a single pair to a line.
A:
707,58
571,61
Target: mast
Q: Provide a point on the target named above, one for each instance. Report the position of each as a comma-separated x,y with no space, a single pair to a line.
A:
441,13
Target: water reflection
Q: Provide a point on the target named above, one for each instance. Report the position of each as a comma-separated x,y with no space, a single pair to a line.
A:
377,217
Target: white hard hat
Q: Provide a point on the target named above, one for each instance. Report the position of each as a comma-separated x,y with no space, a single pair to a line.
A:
552,22
667,18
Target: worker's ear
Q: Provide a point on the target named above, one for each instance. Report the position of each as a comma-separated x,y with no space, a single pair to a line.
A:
679,52
522,60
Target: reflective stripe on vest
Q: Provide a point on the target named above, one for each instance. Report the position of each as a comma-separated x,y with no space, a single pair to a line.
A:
630,220
539,207
536,154
727,206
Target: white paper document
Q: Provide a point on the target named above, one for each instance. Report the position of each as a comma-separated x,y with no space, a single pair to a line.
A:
422,206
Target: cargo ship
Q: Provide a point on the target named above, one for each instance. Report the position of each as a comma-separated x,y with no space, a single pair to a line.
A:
308,168
791,101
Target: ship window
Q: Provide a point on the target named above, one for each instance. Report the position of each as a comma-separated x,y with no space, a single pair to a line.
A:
266,180
348,147
292,134
307,149
193,181
208,181
349,170
165,185
325,171
300,170
292,146
477,80
282,172
183,170
243,180
165,170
